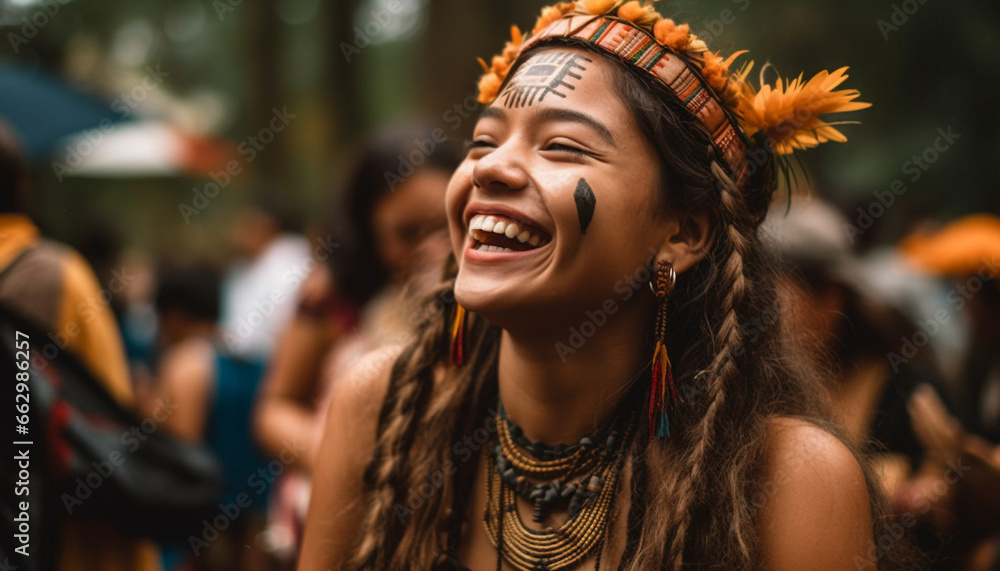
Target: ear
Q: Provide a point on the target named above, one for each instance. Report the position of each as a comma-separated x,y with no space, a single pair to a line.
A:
687,240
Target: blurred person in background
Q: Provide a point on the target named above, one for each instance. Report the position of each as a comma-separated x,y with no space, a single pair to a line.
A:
258,298
958,491
138,320
965,256
886,397
51,285
390,228
213,391
834,306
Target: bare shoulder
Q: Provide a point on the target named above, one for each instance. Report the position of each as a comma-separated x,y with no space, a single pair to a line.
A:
185,388
794,444
357,396
189,363
336,506
817,513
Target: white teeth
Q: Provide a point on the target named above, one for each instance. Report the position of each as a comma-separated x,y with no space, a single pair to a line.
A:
508,228
488,248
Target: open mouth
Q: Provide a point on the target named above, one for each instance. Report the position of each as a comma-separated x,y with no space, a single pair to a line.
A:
496,233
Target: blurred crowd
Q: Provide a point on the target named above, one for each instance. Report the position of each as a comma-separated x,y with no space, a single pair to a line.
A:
238,359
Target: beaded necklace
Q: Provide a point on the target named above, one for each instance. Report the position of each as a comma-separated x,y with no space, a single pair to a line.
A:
581,478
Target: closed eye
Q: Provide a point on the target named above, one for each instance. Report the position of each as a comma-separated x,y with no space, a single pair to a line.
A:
567,149
477,144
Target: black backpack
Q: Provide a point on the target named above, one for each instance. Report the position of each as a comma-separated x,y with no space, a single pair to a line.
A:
81,452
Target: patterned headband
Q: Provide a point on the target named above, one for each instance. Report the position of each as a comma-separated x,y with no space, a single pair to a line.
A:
781,118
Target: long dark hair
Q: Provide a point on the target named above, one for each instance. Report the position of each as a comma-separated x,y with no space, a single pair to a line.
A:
735,370
383,163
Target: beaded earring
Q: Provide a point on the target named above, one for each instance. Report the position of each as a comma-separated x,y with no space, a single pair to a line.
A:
663,376
458,336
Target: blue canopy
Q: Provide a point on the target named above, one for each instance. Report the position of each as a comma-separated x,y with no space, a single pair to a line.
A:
43,109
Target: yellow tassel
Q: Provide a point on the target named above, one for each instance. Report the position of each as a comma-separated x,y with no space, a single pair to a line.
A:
457,336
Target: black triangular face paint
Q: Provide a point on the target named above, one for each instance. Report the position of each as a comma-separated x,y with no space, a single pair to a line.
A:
585,201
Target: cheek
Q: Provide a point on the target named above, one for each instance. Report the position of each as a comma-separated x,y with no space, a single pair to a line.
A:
620,238
456,197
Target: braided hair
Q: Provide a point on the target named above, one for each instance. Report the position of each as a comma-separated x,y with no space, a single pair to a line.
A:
691,494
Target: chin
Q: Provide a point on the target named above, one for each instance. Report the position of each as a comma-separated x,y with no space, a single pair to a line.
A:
483,296
510,305
496,302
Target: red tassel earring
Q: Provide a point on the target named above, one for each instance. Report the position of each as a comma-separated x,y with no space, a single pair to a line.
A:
458,336
663,376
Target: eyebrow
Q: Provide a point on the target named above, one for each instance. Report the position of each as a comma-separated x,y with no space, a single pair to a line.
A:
493,113
551,114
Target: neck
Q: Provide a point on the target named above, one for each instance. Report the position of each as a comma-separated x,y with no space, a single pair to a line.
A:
560,397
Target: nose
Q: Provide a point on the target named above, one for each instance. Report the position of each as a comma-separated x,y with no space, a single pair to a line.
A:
502,168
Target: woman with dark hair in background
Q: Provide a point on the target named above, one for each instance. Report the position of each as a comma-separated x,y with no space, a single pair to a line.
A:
539,423
389,224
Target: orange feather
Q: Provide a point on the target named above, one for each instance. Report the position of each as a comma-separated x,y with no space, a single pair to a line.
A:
789,113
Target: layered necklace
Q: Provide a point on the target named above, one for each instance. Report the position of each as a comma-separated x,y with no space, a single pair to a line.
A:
580,479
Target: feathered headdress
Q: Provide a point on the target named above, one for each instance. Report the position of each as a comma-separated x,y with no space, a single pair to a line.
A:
782,118
738,117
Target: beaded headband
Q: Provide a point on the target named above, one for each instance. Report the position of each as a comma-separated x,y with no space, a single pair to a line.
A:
780,118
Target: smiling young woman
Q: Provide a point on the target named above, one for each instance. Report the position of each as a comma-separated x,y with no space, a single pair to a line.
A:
538,423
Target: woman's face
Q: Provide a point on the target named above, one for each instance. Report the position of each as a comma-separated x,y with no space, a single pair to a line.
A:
558,156
403,219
